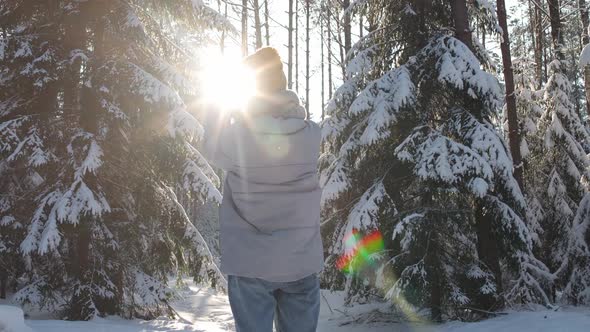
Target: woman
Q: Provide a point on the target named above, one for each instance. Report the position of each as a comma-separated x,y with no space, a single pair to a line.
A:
271,247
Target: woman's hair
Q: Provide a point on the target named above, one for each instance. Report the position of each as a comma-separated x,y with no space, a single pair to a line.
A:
268,68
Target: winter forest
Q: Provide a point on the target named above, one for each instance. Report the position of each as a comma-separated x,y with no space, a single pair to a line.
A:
458,131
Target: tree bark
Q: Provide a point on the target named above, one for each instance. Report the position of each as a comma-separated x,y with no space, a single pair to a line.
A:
3,283
361,28
290,47
257,26
329,41
347,28
513,132
461,21
244,28
487,250
433,267
341,49
222,41
539,41
321,18
585,40
556,36
297,46
307,14
266,26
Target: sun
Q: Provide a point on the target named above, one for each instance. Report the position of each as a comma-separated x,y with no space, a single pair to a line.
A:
224,81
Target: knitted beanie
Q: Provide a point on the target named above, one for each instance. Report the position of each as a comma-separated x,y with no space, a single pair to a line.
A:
268,68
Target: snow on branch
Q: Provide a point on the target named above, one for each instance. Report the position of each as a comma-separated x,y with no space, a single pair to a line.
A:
184,124
458,67
481,137
336,183
382,100
151,88
437,158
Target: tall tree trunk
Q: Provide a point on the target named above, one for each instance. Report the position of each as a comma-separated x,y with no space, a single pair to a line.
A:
341,49
539,41
222,41
361,28
487,250
461,21
556,36
257,26
297,45
513,133
483,36
3,282
266,22
244,28
347,28
433,267
546,54
74,39
329,41
290,47
82,304
307,14
321,18
585,40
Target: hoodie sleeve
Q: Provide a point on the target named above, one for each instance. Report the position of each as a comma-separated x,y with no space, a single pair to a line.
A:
217,139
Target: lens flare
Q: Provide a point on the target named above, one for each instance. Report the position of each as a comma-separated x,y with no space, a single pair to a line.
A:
360,251
224,81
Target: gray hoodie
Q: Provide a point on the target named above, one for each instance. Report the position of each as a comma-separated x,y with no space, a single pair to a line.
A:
270,212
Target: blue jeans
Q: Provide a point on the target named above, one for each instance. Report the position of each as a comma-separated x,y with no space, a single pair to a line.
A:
294,305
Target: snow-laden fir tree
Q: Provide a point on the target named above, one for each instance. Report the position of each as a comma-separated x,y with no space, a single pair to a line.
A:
529,110
559,174
97,150
411,150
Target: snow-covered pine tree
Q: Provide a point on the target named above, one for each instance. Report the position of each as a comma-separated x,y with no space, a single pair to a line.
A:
576,263
411,150
560,175
528,104
96,146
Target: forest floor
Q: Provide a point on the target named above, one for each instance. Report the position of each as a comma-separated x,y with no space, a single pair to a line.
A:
202,309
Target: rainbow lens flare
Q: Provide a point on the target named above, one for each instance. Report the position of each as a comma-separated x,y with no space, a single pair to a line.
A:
358,257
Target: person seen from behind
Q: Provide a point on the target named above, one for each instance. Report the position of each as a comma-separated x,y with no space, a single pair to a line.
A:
271,248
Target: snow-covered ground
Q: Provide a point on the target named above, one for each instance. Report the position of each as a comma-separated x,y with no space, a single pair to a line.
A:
204,310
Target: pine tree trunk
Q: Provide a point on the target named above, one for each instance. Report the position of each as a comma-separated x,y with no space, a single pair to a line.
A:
257,26
461,20
322,66
341,49
329,41
297,45
3,282
347,28
290,47
266,26
483,36
539,41
487,250
361,29
556,36
307,14
585,40
75,38
222,41
513,132
432,263
244,28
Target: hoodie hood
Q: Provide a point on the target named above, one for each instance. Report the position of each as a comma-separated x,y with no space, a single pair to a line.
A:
284,103
278,113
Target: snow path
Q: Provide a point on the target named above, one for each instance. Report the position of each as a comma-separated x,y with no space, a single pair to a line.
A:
206,311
